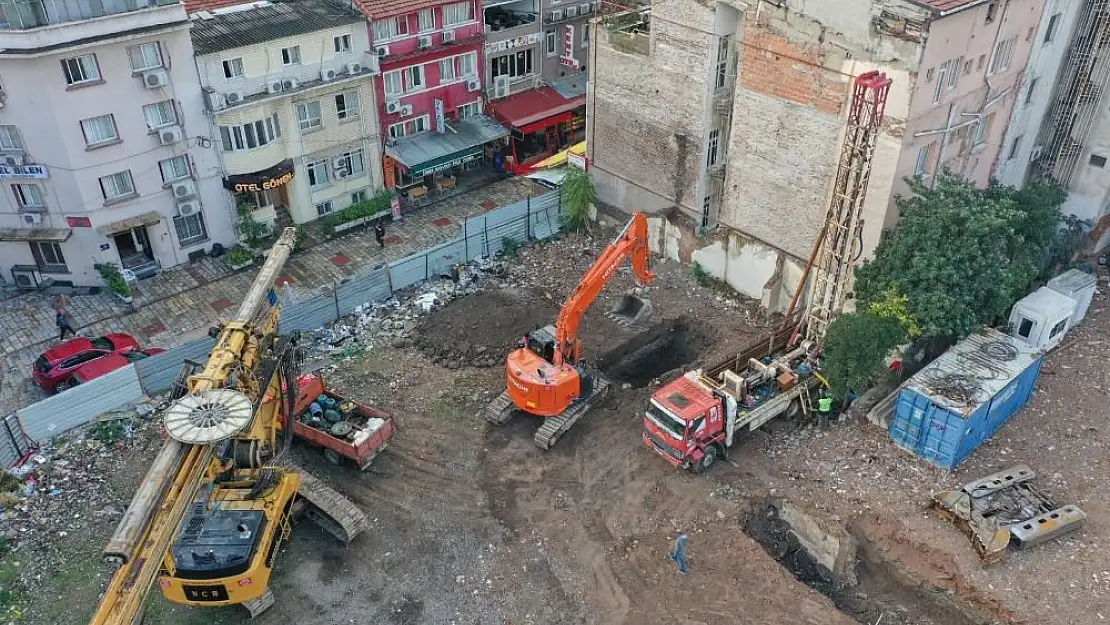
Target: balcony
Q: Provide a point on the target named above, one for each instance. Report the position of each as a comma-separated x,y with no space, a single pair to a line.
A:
34,24
511,21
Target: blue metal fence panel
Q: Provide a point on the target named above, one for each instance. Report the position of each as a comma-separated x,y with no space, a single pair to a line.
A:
371,286
79,405
157,373
408,271
308,315
444,255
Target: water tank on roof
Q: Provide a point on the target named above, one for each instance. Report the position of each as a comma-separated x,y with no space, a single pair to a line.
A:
1042,318
1078,285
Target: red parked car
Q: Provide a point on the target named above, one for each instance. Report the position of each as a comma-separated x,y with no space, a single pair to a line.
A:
53,368
107,364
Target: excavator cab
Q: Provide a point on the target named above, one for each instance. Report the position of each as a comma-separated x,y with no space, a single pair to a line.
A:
631,310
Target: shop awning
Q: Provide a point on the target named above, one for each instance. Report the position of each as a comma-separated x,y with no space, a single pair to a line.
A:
432,152
57,235
560,158
146,219
535,109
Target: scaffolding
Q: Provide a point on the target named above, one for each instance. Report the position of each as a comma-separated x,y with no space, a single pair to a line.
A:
1079,95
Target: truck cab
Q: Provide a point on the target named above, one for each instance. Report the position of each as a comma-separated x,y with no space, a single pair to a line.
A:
685,424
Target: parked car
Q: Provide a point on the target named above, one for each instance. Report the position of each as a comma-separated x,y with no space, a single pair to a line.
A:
107,364
57,364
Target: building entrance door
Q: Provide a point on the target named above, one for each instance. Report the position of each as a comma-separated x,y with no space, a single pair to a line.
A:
134,249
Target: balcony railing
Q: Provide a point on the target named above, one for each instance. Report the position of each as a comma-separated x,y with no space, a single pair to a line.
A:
29,14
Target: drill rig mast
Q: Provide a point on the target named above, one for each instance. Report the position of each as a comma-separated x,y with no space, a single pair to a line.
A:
217,502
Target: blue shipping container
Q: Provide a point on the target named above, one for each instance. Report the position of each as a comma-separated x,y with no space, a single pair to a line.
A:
950,408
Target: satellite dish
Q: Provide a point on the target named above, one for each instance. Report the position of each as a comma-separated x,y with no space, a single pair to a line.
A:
208,416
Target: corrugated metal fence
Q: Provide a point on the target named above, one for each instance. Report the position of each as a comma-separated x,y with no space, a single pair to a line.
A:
487,234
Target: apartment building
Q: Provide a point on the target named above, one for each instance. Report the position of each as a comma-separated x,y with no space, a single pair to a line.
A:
733,113
103,141
430,91
536,73
290,93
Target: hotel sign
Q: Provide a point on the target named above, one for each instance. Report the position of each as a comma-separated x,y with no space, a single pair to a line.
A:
24,172
271,178
568,48
523,41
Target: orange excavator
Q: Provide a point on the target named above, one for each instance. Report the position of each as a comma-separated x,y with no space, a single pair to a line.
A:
546,377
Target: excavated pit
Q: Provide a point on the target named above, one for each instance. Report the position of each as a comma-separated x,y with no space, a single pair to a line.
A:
663,348
845,567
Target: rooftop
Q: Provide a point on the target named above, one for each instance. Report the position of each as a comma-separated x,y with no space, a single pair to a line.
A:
263,21
951,6
386,8
527,107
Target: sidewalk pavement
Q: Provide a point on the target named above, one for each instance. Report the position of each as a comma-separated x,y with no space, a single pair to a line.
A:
180,304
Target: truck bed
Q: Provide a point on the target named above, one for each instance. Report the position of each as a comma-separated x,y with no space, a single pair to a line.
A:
370,429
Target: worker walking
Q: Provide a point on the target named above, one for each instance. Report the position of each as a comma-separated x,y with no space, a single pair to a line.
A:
678,554
824,409
379,233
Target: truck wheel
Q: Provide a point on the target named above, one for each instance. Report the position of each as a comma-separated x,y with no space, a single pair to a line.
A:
333,456
708,460
794,409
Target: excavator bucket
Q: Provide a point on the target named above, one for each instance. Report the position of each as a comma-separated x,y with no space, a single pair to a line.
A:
631,310
990,540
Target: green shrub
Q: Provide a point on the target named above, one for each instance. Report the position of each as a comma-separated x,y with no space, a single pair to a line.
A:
251,231
372,206
578,195
701,276
239,255
855,350
302,240
509,246
113,277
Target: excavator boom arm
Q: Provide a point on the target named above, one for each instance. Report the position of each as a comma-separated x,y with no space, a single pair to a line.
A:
632,242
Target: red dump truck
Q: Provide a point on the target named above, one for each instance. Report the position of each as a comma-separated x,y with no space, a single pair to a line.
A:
345,429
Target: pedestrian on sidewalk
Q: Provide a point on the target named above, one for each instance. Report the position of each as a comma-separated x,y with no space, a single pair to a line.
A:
678,554
61,319
379,233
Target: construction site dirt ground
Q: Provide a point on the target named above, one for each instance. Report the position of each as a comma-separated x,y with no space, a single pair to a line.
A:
471,524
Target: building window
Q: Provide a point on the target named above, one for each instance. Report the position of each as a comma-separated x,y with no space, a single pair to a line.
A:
941,76
358,197
924,156
118,185
317,174
159,114
346,105
1000,58
983,130
468,65
469,110
954,74
10,139
233,68
291,56
28,195
446,70
390,28
455,14
1050,31
393,83
992,9
48,256
174,169
929,74
711,150
1031,91
80,70
414,77
967,67
1097,161
410,127
551,43
308,116
1014,148
145,56
250,136
349,164
513,65
426,21
99,130
342,44
722,62
323,208
982,61
190,229
586,35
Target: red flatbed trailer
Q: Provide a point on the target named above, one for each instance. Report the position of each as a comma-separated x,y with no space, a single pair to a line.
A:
369,433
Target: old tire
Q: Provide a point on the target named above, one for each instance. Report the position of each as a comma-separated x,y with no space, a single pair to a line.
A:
333,457
793,410
708,460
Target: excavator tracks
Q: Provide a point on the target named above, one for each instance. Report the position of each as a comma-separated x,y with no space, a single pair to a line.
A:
327,508
501,410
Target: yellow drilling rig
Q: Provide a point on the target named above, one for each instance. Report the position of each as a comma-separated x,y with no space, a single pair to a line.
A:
218,501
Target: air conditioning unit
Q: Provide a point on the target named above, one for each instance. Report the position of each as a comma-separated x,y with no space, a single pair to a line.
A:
328,75
31,219
584,9
274,87
184,190
340,167
216,101
571,12
234,97
555,16
406,110
473,85
354,69
393,106
447,36
289,84
424,41
169,135
156,78
501,87
184,209
14,160
382,51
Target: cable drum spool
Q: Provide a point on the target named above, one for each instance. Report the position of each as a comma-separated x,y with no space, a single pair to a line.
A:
208,416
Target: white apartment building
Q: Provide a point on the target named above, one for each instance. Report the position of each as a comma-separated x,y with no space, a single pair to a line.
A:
292,106
104,153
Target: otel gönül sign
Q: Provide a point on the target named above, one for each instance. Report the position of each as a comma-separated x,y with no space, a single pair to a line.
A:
270,178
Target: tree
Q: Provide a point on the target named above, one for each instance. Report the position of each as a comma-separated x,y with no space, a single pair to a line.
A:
855,349
961,255
578,196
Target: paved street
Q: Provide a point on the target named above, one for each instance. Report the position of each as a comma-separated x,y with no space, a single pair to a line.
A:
179,304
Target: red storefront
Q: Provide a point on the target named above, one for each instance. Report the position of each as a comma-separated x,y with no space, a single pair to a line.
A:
541,121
